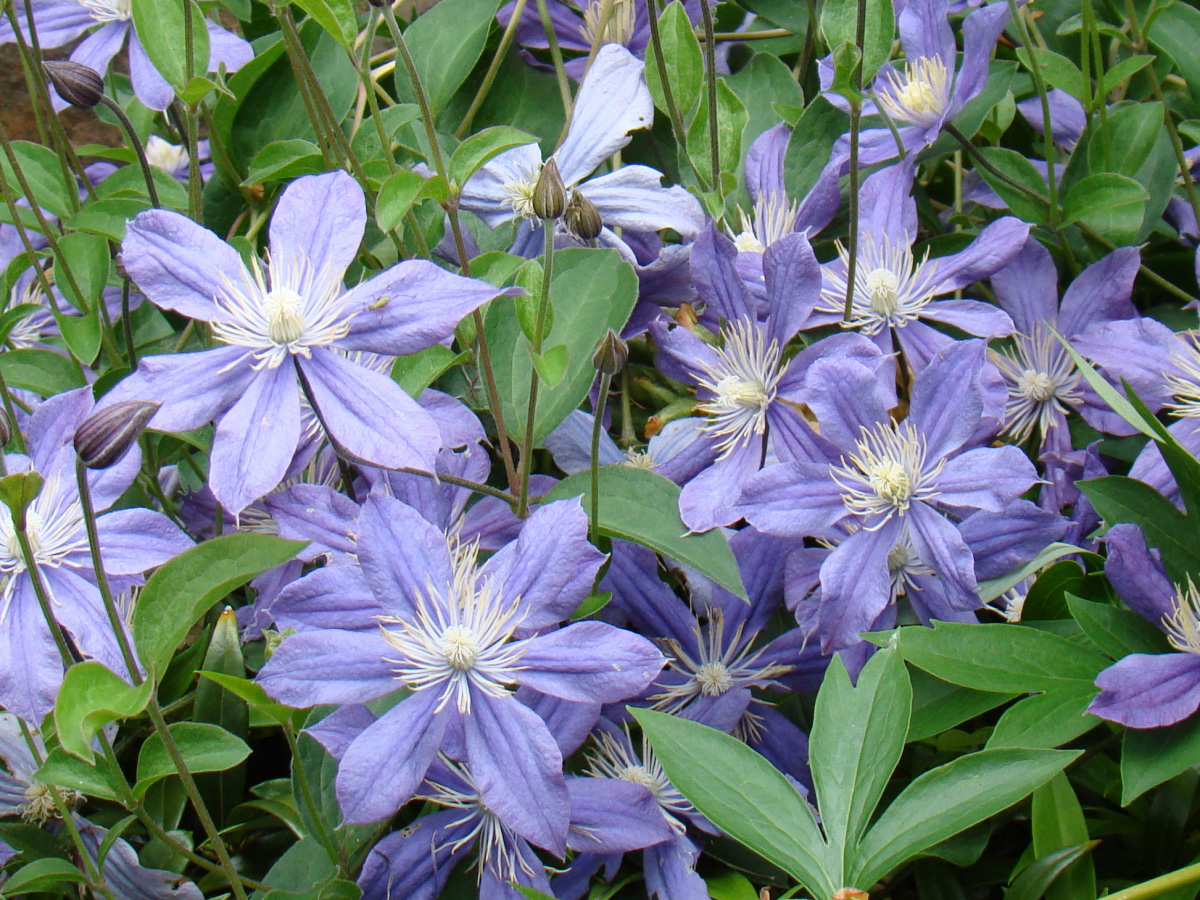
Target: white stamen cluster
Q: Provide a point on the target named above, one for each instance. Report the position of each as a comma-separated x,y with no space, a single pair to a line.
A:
1184,381
495,840
885,474
717,668
890,287
920,95
638,459
773,218
1043,383
742,383
616,758
904,565
1183,624
460,637
298,307
619,28
32,329
39,806
108,10
520,194
53,524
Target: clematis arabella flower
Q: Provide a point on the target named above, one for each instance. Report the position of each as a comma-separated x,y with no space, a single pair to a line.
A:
462,636
895,293
612,101
288,324
882,479
1148,690
60,22
131,541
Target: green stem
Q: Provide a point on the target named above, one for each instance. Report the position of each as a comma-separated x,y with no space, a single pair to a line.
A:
597,427
324,141
314,813
1039,83
860,25
668,95
127,325
534,378
1156,887
560,73
464,127
710,64
628,438
139,149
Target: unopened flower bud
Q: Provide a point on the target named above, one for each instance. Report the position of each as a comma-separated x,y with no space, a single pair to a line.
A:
105,436
76,83
6,428
549,194
611,354
582,218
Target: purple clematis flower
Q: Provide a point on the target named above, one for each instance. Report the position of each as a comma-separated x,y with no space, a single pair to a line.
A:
131,541
1043,383
287,328
461,637
612,101
60,22
1146,690
894,292
878,479
744,387
576,26
929,92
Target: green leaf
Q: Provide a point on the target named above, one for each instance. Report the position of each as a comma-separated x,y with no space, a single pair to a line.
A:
1041,877
1111,204
161,31
313,763
1117,632
1057,70
939,705
473,153
221,707
1045,721
41,371
1175,32
731,122
1021,170
445,42
857,737
107,216
742,794
285,160
591,291
396,198
182,590
950,799
552,365
681,61
335,16
203,746
810,145
1131,132
1120,499
642,506
762,85
1151,756
44,174
1058,825
994,588
89,263
18,491
729,885
839,25
43,875
418,371
90,697
1003,658
252,693
1123,70
72,773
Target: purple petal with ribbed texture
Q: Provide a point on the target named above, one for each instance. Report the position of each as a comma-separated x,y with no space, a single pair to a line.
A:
764,163
571,444
681,355
486,192
996,245
925,32
793,500
316,513
710,499
1002,541
134,540
1144,691
855,586
401,554
317,225
986,478
846,398
590,662
338,730
714,275
30,667
947,399
414,864
972,316
317,667
1067,116
1137,350
336,597
940,546
1136,573
569,723
980,31
793,280
670,870
887,208
633,197
98,48
1100,293
226,48
609,815
651,606
1027,287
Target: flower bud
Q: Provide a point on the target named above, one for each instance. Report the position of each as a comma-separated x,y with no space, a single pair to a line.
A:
6,428
76,83
582,218
105,436
611,354
549,194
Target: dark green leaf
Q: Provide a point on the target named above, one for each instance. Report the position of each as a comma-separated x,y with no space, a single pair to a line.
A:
418,371
810,145
285,160
1151,756
478,149
681,59
1045,721
43,875
41,371
445,42
939,705
1058,825
161,31
335,16
1019,169
1120,499
72,773
90,697
204,748
1039,877
1116,631
396,198
1111,204
731,122
839,24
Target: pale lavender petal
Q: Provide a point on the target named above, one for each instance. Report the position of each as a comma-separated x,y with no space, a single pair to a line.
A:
764,163
793,280
590,662
458,426
58,22
149,86
1101,292
386,764
98,48
226,48
80,610
401,554
1137,350
316,513
844,395
670,870
920,343
634,198
518,769
638,592
179,265
1067,116
681,355
415,863
550,566
941,547
255,440
486,192
980,32
793,500
855,586
1136,573
887,208
51,428
368,414
972,316
570,723
1027,287
134,540
1002,541
318,667
336,597
925,32
996,245
609,815
571,444
317,226
338,730
710,499
1144,691
30,666
599,126
126,877
986,478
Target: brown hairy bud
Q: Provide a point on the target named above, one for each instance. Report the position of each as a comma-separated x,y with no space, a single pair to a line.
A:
76,83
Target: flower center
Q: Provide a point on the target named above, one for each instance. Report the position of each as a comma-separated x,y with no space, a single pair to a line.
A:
285,321
1183,625
890,482
458,644
108,10
890,287
1042,382
520,196
620,26
742,384
714,679
920,95
1037,386
1184,380
639,775
882,285
638,459
747,242
774,218
885,473
39,806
